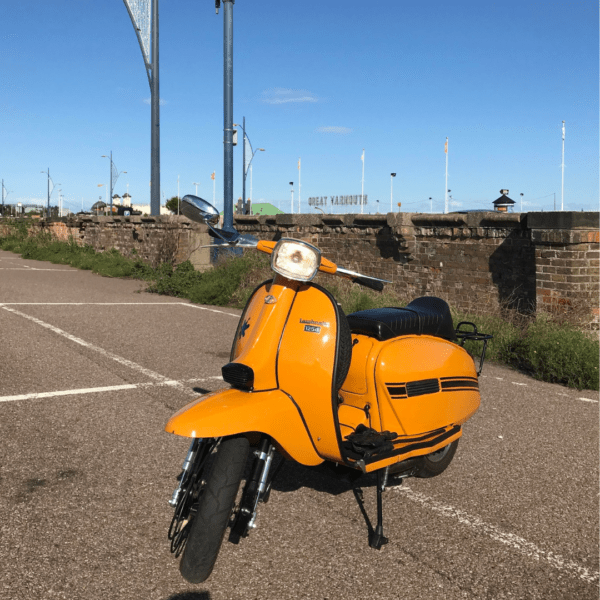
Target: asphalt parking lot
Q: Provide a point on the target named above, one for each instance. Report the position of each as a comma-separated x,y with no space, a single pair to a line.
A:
91,368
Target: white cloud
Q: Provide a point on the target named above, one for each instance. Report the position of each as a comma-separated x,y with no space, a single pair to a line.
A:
161,102
333,129
285,96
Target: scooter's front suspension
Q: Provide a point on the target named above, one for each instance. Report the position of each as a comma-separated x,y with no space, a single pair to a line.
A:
188,491
257,489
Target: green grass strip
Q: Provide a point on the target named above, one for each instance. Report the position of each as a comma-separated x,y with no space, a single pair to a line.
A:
549,351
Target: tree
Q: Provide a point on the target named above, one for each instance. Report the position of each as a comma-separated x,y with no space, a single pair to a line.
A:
173,204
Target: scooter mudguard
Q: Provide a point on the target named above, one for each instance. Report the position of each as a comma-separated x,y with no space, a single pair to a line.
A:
231,412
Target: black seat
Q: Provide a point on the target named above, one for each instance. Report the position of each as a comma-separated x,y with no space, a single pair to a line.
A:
423,316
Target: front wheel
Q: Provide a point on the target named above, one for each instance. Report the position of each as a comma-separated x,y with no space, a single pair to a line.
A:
437,462
214,510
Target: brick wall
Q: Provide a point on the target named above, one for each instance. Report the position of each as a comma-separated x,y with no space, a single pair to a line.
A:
543,261
153,239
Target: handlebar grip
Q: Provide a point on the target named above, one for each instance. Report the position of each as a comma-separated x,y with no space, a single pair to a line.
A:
370,283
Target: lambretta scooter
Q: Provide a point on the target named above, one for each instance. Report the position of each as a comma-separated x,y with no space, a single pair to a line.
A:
382,391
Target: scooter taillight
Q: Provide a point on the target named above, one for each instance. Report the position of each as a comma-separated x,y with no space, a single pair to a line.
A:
238,375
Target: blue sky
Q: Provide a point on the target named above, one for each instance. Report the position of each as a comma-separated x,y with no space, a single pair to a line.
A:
316,80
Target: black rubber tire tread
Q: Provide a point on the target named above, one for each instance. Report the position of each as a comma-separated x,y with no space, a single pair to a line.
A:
432,469
216,503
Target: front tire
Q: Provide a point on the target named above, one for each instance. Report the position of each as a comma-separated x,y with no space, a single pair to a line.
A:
214,510
437,462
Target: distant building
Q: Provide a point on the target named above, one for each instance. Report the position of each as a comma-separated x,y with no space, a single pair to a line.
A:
504,203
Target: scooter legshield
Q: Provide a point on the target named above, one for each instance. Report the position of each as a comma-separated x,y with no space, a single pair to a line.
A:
232,412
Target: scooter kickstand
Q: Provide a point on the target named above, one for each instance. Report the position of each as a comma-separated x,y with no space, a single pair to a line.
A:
376,538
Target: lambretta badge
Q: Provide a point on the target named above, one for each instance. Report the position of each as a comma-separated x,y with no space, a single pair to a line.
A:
312,329
270,299
310,322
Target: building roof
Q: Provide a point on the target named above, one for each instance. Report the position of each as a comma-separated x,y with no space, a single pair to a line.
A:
503,200
265,208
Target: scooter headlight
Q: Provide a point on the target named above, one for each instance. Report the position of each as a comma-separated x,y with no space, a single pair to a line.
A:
295,259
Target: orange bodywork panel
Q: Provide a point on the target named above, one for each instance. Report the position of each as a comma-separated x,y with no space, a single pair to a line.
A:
230,412
305,365
257,342
436,385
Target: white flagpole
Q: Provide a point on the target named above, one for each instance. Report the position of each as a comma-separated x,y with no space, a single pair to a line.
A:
446,188
299,186
362,187
562,198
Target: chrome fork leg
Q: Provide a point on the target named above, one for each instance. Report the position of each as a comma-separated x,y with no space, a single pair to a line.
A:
187,464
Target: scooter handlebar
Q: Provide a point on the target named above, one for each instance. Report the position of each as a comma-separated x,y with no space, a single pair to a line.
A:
330,267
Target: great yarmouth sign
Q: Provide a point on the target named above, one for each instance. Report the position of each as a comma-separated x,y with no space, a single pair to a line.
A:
337,200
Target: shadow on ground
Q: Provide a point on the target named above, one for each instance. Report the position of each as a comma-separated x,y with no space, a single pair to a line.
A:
191,596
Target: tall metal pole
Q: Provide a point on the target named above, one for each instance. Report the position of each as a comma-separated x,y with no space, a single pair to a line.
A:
155,119
244,204
362,183
111,183
299,186
48,208
228,115
446,188
562,197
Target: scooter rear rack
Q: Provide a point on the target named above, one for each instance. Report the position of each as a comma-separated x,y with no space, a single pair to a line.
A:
474,336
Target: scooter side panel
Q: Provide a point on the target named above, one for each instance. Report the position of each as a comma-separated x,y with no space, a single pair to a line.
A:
305,365
425,383
259,333
230,412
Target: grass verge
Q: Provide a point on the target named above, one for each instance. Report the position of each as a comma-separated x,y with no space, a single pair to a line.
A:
548,350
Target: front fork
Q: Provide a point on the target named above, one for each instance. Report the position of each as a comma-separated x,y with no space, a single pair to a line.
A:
257,489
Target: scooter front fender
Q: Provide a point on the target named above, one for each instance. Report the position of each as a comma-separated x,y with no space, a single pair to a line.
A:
231,412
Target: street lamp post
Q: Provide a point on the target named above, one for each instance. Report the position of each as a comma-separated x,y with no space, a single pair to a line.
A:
114,175
292,184
196,184
521,202
430,205
392,175
49,190
245,168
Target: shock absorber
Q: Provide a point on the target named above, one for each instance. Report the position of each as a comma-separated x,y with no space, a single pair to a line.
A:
187,465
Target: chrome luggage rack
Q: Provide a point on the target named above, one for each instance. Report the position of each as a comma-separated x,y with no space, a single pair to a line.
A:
474,336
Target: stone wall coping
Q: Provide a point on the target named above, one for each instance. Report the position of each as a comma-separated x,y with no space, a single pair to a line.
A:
563,220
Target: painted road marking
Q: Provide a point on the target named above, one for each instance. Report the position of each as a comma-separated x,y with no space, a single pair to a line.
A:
166,302
209,309
123,361
589,400
86,303
514,541
108,388
516,383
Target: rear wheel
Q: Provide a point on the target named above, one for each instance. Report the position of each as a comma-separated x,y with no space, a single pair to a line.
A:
437,462
214,510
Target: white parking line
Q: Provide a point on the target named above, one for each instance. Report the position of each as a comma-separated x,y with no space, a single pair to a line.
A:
588,400
166,302
85,303
514,541
209,309
123,361
108,388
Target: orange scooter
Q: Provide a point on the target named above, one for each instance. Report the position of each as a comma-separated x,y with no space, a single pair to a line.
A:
383,390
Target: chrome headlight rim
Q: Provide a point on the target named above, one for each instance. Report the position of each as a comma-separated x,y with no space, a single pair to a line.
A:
282,242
